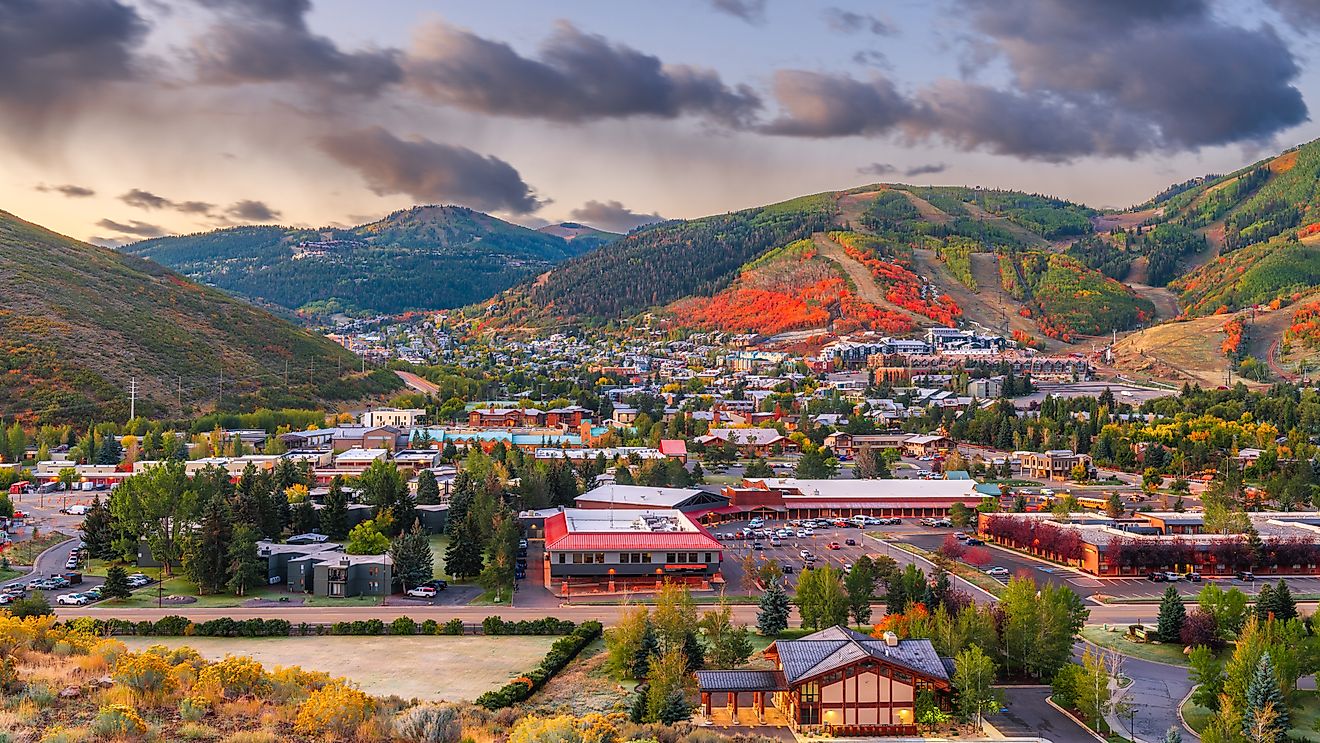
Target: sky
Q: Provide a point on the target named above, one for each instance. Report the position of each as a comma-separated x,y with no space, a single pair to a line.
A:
128,119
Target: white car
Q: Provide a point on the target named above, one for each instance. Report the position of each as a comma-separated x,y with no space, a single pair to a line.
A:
801,533
804,554
72,599
422,592
997,570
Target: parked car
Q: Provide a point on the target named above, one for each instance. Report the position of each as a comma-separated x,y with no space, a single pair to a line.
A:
974,542
72,599
1156,576
786,567
421,592
997,570
960,535
804,554
1192,576
1246,575
758,546
832,545
437,584
850,542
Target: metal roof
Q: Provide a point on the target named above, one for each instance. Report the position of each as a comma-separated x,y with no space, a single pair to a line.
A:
836,647
742,681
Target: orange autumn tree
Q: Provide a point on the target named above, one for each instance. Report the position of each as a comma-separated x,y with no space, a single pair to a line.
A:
915,622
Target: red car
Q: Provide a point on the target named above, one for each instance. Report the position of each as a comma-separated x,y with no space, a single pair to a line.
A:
833,545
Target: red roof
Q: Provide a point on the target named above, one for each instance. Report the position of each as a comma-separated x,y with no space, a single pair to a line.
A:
673,447
558,537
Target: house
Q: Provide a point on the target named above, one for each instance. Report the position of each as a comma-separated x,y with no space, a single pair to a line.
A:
927,445
401,418
760,442
836,683
570,417
846,444
1054,464
591,550
646,496
674,449
505,418
412,461
356,461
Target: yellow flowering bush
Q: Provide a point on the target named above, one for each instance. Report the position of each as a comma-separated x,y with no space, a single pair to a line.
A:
119,722
147,675
334,710
235,676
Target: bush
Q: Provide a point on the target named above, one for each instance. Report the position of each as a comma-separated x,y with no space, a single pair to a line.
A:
430,723
147,675
403,626
564,650
193,709
33,606
235,676
334,710
430,627
171,626
118,721
452,627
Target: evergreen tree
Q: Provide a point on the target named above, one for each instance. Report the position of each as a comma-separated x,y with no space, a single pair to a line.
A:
1264,693
411,553
637,712
1266,602
206,560
675,709
648,648
1285,607
774,609
463,556
334,517
698,474
304,519
860,586
245,571
1114,506
1172,615
116,583
98,531
1172,736
110,451
252,500
428,490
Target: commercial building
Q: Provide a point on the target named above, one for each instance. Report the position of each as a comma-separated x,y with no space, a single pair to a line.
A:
606,550
759,442
324,569
790,498
401,418
1054,464
834,683
646,496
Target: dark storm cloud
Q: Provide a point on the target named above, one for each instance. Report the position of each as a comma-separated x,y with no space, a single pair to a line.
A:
926,169
68,189
55,52
821,105
846,21
576,77
752,11
1087,78
431,171
876,169
252,211
267,41
1304,15
134,227
147,200
613,216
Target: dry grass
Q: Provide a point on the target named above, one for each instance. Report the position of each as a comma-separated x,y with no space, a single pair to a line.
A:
1176,352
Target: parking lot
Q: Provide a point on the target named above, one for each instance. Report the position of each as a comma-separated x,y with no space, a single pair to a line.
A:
55,563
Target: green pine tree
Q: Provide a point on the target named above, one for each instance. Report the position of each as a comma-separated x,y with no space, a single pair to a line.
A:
1172,615
675,709
1285,607
206,559
245,569
428,490
98,531
773,615
1262,692
411,553
334,517
116,583
647,649
1266,602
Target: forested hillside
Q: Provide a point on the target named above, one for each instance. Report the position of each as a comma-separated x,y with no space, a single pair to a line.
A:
77,322
427,257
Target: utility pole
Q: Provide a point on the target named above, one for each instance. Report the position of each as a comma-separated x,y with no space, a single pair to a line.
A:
220,395
180,393
132,398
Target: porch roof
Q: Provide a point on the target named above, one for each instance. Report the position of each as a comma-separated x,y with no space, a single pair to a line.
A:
742,681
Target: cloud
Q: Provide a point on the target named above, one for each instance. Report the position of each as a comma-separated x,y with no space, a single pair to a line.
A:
816,104
613,216
575,77
752,11
68,189
431,171
846,21
1303,15
926,169
55,53
268,41
1082,83
133,227
252,211
877,169
142,199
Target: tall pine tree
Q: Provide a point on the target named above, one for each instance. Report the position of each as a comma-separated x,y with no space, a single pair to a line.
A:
334,517
428,490
411,554
1264,693
1172,615
206,560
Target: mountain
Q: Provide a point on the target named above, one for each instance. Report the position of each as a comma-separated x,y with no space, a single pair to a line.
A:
424,258
78,322
581,235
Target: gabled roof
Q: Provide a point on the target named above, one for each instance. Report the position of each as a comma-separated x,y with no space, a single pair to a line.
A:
836,647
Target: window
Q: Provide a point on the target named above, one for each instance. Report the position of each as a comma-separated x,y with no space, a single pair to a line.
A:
707,558
562,558
811,692
634,558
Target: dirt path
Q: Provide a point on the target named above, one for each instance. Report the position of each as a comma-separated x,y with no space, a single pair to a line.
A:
989,302
1166,302
929,211
1031,238
862,279
1126,220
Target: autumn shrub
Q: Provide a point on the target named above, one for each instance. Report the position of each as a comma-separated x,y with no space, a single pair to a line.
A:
193,709
61,734
293,684
145,674
558,729
108,650
40,694
334,710
118,722
429,723
252,736
196,731
233,677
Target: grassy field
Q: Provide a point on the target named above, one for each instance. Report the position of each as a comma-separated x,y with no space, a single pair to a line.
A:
1172,654
149,596
1196,716
423,667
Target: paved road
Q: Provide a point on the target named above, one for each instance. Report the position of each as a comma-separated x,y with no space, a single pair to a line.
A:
1156,691
1027,713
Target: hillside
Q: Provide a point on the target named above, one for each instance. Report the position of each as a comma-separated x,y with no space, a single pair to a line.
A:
582,236
427,257
78,321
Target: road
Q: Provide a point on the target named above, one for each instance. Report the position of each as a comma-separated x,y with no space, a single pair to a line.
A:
1156,692
1027,713
417,383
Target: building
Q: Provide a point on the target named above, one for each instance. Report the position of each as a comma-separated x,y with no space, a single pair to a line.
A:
356,461
506,418
1161,541
626,550
927,445
846,444
674,449
751,442
790,498
646,497
401,418
985,389
836,683
1054,464
323,569
343,438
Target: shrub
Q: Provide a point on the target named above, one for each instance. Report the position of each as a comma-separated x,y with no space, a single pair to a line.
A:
58,734
171,626
193,709
430,627
293,684
334,710
34,606
118,721
196,731
403,626
235,676
40,694
452,627
147,675
252,736
564,650
430,723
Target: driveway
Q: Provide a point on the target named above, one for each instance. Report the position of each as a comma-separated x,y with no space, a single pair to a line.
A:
1027,714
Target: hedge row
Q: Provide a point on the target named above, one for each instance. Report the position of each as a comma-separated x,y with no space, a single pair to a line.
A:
177,626
564,650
